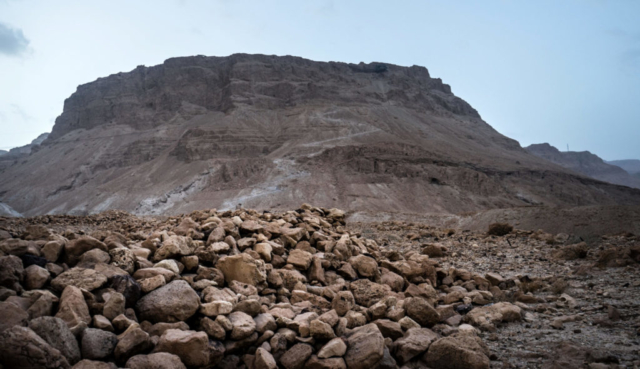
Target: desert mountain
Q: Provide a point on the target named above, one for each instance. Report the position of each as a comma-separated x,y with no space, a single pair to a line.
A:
632,166
7,158
586,163
272,132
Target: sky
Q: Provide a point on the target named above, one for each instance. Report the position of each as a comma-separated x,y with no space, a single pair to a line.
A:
565,72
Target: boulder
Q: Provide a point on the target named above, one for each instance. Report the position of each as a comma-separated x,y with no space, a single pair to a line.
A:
114,306
159,360
87,279
35,277
79,246
485,317
21,347
128,287
334,348
97,344
366,266
415,342
176,301
458,352
296,356
73,309
243,325
11,272
343,302
243,268
421,311
57,334
264,360
12,315
300,259
191,347
332,363
174,247
90,364
365,347
123,258
367,293
52,250
132,342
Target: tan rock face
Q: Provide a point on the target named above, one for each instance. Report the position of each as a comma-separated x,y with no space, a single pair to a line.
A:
79,246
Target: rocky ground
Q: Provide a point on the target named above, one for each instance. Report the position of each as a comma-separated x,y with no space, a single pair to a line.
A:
578,307
303,289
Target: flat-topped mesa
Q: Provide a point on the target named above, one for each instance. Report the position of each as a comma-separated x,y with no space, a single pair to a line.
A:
149,96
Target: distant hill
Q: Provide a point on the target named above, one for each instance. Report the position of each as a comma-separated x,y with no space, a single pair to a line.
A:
8,158
586,163
632,166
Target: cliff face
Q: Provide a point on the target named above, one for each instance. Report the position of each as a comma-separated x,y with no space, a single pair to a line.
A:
273,132
585,163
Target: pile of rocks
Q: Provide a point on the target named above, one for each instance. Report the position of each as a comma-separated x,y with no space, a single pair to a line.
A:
239,290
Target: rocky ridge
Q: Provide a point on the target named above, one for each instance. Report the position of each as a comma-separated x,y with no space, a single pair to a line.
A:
271,132
245,289
585,163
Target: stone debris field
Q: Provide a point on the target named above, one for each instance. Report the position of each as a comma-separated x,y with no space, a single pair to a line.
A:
305,289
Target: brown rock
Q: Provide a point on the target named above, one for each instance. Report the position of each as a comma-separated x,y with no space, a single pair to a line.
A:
174,247
56,333
176,301
300,259
12,315
334,348
332,363
366,266
458,352
79,246
264,360
73,309
365,347
243,268
367,293
191,347
159,360
421,311
87,279
11,272
415,342
296,356
114,306
132,342
20,347
243,325
343,302
98,344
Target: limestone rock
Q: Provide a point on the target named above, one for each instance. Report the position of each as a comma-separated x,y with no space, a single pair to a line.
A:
243,325
12,315
35,277
296,356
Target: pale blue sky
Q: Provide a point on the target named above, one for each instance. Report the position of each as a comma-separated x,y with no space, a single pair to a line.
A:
563,72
